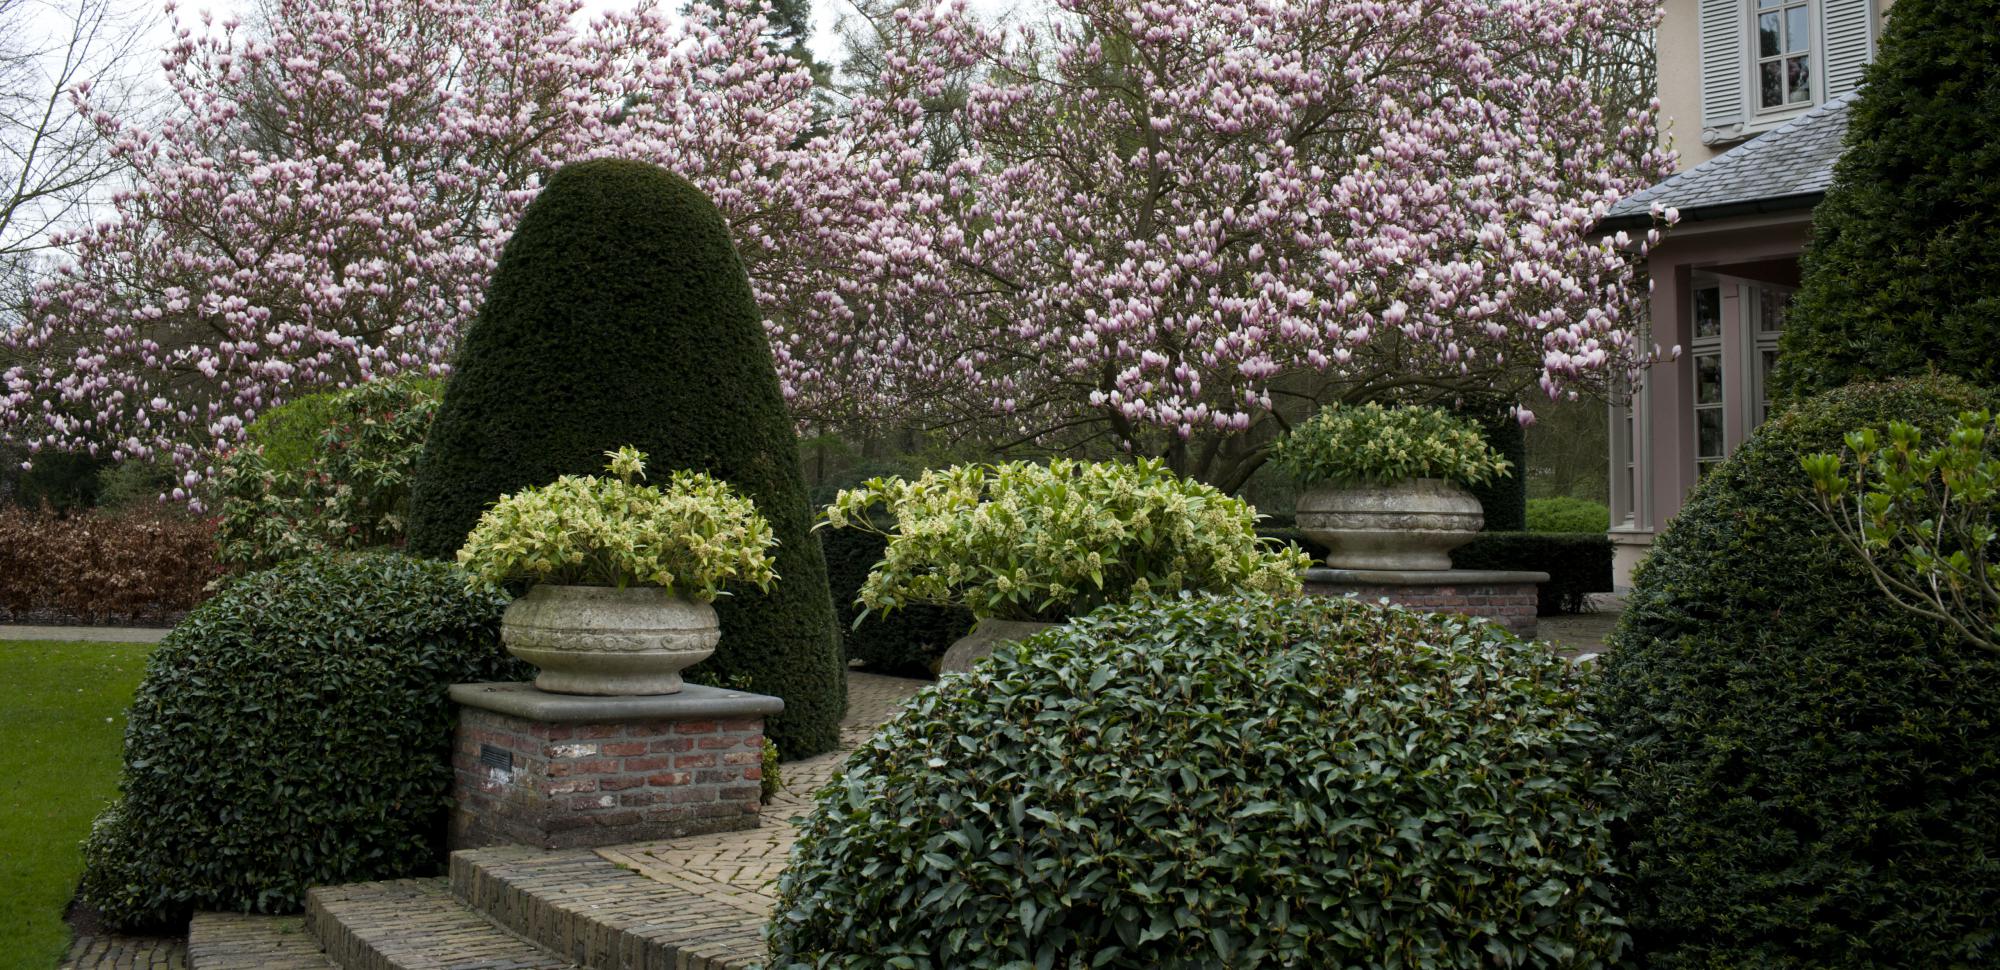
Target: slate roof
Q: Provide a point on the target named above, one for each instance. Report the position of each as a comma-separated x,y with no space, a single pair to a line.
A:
1788,167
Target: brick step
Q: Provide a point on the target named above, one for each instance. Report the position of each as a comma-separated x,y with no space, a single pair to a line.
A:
414,924
235,941
603,916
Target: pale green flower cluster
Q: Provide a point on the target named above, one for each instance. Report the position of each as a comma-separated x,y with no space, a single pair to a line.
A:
1376,445
691,537
1026,541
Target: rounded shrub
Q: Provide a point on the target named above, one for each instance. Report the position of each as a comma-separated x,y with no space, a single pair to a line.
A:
325,472
292,731
1207,782
619,315
1814,774
1563,514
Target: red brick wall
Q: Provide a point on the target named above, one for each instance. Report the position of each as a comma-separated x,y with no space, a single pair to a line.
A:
1511,605
575,785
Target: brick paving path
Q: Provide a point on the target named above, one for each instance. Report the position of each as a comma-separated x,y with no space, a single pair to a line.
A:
741,869
108,952
1584,633
98,634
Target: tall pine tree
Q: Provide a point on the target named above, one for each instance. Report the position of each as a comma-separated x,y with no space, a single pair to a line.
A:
1903,271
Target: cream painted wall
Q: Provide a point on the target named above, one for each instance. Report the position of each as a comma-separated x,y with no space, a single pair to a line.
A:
1678,47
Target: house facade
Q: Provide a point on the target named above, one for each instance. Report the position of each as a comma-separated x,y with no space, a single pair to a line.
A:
1755,94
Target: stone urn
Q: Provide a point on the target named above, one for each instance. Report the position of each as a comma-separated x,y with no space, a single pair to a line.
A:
608,641
1410,525
986,635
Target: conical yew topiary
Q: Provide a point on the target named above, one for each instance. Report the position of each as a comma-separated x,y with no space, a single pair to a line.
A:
1903,272
619,314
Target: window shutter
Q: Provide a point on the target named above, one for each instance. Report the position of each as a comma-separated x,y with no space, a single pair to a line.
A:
1723,62
1849,43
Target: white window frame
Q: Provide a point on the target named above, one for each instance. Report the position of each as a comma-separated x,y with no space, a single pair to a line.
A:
1699,347
1754,59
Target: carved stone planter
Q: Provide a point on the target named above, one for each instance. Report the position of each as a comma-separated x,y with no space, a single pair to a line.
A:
607,641
1408,525
986,636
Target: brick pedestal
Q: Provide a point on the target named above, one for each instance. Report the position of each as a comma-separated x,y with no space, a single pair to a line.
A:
562,771
1506,598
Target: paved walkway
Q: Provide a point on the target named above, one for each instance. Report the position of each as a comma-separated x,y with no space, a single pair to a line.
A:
741,868
1583,633
94,634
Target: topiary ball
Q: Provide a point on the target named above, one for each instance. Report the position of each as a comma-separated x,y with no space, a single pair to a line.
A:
1814,773
294,731
1206,782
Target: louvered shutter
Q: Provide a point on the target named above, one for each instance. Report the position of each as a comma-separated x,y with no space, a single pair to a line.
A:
1723,63
1848,43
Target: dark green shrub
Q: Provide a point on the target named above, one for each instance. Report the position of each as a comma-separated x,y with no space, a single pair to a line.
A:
1578,564
1902,274
907,642
1504,498
620,315
59,481
1814,773
324,473
294,731
1564,514
1208,782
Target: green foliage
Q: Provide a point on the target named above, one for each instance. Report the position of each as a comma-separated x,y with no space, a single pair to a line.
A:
1902,274
1567,515
1921,517
908,642
1503,498
1209,782
1814,773
619,314
324,473
294,731
59,481
1025,541
690,538
1373,444
772,779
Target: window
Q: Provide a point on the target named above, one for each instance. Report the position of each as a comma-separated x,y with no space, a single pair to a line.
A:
1784,54
1710,439
1770,308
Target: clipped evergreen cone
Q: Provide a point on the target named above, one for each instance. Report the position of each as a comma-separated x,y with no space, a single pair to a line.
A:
619,314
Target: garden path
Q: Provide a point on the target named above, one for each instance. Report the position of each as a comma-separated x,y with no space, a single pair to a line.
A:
94,634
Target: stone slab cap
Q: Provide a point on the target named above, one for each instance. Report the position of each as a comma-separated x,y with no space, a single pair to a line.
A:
1419,577
694,702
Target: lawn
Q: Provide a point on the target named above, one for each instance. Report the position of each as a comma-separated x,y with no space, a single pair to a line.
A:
62,729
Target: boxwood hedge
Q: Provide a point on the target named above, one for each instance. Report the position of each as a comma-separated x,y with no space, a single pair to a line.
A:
910,641
294,730
1814,774
1208,782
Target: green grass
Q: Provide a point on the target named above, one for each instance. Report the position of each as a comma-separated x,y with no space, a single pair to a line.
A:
62,732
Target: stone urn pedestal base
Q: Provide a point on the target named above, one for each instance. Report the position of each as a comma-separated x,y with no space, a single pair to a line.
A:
1506,598
563,771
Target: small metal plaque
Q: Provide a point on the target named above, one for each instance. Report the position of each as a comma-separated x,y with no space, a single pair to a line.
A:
499,759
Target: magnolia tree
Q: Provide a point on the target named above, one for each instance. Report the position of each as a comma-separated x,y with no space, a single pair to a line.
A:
326,201
1179,224
1173,225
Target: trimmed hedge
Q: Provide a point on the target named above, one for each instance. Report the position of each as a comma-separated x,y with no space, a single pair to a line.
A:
1814,773
1206,782
151,565
1578,564
1563,514
1902,274
619,315
1503,498
294,731
907,642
